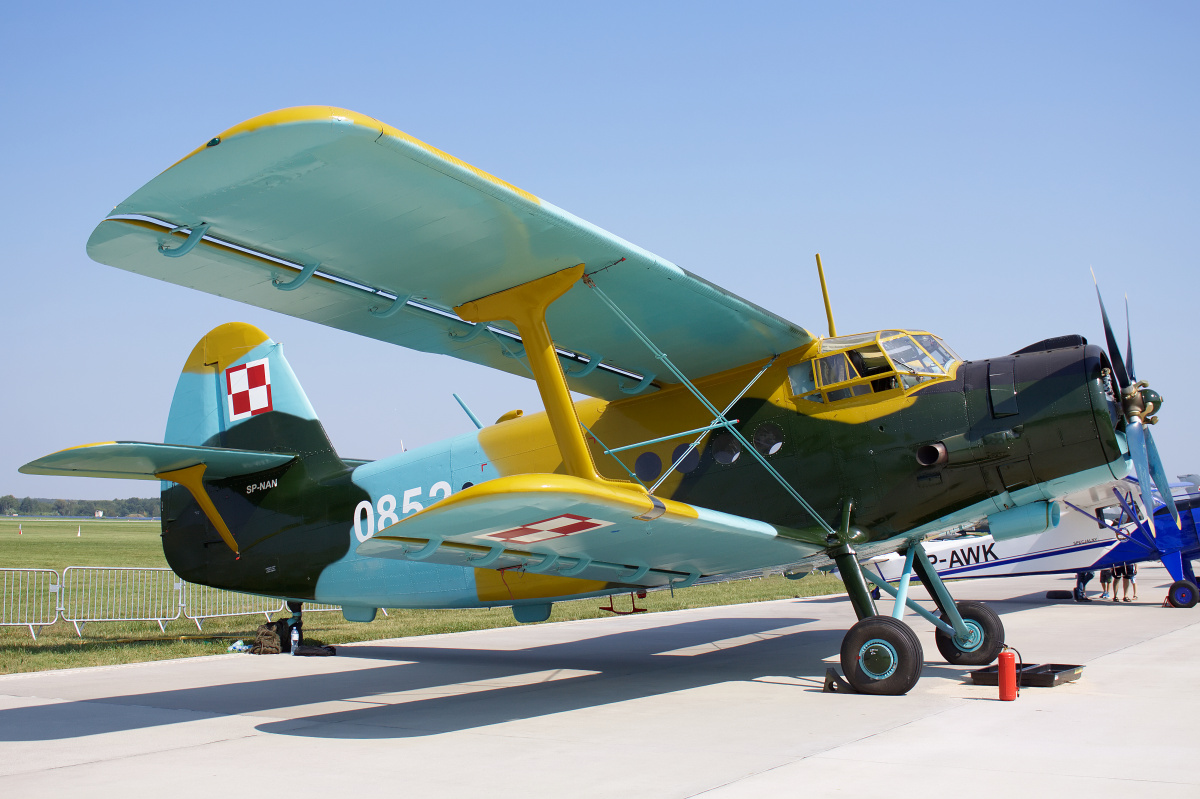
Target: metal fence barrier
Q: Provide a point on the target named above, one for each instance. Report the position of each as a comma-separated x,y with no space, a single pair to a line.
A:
202,602
37,598
29,598
100,593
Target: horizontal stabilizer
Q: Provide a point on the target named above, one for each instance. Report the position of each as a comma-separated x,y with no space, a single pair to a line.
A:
562,525
134,460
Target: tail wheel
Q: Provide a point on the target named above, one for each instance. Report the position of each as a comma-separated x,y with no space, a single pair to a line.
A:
985,640
882,655
1183,594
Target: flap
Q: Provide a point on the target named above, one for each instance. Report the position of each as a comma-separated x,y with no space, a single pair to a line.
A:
133,460
558,524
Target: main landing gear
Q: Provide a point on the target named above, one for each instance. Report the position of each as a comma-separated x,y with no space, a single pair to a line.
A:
296,621
882,655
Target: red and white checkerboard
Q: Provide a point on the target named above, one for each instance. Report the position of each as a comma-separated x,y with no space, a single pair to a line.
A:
249,389
547,529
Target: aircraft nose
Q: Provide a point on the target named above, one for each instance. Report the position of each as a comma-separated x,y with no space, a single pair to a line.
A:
1071,421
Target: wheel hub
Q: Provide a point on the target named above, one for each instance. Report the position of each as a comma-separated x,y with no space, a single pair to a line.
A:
974,638
878,659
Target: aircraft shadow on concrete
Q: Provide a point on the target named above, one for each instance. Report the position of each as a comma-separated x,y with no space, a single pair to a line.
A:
628,667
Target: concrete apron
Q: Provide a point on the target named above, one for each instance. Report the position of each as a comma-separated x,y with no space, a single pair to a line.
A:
721,700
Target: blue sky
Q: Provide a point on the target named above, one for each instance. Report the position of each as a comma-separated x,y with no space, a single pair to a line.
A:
959,167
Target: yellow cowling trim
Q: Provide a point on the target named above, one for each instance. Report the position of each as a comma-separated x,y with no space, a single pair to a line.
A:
223,346
316,113
525,306
192,478
500,586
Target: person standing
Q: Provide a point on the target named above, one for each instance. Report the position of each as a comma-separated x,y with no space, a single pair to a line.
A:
1106,579
1123,572
1081,581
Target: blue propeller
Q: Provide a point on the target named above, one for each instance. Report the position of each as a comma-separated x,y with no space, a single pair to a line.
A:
1138,403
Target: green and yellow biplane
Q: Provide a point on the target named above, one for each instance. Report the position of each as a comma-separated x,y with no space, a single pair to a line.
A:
718,437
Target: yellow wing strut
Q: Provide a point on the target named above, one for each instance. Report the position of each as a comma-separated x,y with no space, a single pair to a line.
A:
525,306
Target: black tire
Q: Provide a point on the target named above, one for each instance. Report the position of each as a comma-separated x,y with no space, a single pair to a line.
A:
984,622
1183,594
882,656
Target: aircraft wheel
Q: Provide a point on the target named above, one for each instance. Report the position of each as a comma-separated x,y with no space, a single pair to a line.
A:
987,637
882,655
1183,594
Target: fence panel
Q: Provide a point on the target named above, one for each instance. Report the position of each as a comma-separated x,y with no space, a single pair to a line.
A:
201,602
100,593
29,598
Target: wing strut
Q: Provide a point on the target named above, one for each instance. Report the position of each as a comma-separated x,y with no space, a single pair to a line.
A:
718,416
525,306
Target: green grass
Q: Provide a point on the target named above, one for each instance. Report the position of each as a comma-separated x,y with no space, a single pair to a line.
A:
54,544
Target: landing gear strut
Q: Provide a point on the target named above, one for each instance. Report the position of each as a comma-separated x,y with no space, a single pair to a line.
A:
878,658
297,620
880,654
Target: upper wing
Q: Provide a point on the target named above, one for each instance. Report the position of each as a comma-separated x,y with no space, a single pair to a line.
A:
558,524
378,215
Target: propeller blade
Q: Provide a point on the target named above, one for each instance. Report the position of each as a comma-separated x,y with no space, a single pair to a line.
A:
1114,352
1129,346
1160,478
1135,435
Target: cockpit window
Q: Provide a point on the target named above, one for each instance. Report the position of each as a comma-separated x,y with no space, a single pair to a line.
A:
801,378
937,350
835,369
907,356
866,363
843,342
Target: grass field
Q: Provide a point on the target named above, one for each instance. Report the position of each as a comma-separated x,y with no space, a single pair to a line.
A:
56,545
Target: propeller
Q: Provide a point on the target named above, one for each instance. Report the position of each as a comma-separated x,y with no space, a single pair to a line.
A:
1138,403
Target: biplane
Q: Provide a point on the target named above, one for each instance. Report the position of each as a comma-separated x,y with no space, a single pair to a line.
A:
716,436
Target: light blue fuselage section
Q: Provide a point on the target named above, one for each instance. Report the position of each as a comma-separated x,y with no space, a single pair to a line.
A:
399,486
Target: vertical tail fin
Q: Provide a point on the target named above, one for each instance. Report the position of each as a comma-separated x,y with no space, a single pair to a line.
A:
238,391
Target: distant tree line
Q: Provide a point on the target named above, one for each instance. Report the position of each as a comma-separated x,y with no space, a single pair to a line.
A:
31,506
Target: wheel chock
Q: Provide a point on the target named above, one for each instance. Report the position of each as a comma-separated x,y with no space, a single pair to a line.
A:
834,684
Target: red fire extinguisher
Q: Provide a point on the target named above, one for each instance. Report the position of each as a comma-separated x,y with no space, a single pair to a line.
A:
1007,673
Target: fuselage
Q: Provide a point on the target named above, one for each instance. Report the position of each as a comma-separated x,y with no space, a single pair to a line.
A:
843,419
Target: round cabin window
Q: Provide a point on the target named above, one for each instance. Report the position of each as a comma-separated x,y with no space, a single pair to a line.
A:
647,467
689,463
726,449
768,438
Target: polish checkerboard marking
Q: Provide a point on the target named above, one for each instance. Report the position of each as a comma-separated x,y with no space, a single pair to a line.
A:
249,389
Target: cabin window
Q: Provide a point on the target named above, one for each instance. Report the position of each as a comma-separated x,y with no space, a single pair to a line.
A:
688,463
768,438
726,449
647,466
801,378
